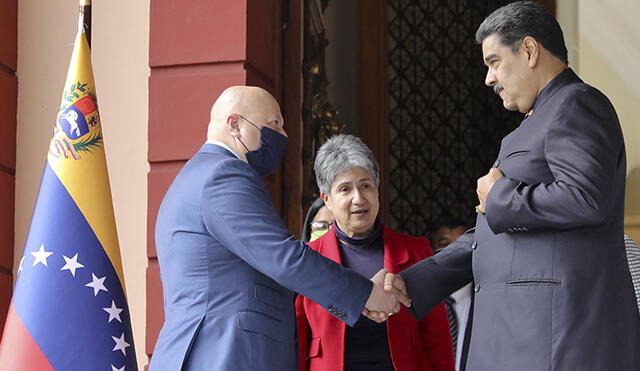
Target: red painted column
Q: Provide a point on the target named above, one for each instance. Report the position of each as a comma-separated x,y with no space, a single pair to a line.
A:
8,111
198,48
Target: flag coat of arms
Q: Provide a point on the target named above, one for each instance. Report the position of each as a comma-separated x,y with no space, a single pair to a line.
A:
69,309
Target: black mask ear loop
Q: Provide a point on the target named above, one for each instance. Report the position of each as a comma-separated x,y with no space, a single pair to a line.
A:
241,142
254,125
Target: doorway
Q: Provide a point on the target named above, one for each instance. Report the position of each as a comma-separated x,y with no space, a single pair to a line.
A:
408,77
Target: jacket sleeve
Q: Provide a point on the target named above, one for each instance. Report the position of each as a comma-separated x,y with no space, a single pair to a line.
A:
304,332
238,212
434,330
431,280
584,149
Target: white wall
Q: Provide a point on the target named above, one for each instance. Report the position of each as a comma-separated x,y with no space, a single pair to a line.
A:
603,37
609,44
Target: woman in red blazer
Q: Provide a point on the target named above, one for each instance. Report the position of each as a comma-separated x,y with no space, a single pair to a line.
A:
347,175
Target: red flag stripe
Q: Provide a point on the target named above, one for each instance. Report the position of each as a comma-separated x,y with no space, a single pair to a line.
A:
18,350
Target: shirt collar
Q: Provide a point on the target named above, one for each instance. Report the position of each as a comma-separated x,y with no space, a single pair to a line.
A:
219,143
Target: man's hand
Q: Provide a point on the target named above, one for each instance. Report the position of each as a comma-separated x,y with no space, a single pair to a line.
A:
384,303
484,187
395,281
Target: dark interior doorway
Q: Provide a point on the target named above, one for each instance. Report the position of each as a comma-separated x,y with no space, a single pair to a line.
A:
407,77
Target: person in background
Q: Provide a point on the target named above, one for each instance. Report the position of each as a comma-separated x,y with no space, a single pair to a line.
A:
317,221
448,232
459,303
633,257
347,175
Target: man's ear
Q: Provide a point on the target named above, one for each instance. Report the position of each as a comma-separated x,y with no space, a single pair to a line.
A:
531,47
327,200
233,124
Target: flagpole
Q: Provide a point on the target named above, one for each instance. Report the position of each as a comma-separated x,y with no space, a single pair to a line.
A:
85,18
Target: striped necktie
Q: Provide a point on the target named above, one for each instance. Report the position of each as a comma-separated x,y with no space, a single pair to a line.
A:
453,322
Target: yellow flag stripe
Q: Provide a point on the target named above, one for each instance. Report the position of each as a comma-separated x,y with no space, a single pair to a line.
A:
84,173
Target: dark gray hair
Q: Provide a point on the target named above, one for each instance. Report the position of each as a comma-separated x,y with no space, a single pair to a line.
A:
340,153
515,21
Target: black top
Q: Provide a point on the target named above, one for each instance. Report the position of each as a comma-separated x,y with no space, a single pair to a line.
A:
366,346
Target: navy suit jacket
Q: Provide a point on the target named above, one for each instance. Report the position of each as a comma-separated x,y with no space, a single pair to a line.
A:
229,270
552,285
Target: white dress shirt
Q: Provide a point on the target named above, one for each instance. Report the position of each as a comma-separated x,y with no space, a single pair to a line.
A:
461,305
219,143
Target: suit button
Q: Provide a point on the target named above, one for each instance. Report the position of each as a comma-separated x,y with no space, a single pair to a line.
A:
496,164
477,288
510,230
474,245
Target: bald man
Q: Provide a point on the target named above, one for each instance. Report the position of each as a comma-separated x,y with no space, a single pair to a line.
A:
229,267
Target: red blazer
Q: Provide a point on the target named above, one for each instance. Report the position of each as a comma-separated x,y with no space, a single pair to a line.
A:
415,345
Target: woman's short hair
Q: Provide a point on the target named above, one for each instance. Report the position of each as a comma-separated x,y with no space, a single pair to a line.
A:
340,153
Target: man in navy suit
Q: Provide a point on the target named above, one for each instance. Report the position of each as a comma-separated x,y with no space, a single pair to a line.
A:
228,265
552,287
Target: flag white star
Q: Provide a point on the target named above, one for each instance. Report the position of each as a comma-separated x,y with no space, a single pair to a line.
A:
97,284
114,312
120,344
20,266
41,256
113,368
71,264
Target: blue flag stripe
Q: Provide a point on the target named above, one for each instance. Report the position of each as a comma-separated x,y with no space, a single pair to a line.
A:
60,312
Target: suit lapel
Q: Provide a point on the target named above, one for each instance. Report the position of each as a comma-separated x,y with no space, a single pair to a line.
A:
329,246
396,255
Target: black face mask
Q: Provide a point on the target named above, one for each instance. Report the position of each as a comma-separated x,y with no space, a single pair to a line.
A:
268,156
266,159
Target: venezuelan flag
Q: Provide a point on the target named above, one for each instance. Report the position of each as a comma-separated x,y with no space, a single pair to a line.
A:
69,309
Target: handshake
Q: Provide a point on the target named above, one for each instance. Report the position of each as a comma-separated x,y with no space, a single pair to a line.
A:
389,291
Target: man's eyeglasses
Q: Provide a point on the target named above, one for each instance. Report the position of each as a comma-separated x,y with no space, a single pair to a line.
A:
270,123
320,225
